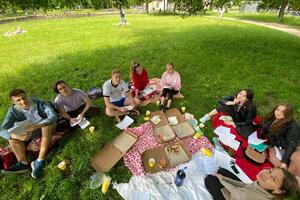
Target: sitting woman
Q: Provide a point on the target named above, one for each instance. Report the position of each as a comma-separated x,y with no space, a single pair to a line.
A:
241,110
270,184
138,77
283,133
171,83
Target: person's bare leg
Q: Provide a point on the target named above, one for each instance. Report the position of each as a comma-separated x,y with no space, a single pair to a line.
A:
162,100
294,166
114,113
212,113
169,103
45,140
18,148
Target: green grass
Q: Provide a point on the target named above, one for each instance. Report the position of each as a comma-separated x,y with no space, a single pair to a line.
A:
266,17
214,57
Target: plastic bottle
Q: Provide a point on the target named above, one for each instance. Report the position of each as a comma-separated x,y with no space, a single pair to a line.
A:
217,144
180,176
106,183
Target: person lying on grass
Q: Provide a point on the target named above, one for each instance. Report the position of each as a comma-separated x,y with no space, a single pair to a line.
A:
73,104
42,122
171,83
118,100
274,183
241,110
283,133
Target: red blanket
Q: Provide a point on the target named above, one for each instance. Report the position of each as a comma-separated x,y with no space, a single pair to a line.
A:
248,167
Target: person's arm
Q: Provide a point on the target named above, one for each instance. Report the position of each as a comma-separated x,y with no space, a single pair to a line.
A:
64,114
164,80
251,113
291,144
225,99
88,104
110,105
177,81
7,123
51,115
233,182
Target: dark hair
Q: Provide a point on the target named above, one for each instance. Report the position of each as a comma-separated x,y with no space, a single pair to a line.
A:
171,65
289,184
288,117
16,92
249,94
115,71
56,84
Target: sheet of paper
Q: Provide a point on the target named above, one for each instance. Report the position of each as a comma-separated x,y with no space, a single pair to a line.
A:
173,120
129,107
75,121
261,147
124,123
220,130
155,119
229,141
84,123
253,139
19,128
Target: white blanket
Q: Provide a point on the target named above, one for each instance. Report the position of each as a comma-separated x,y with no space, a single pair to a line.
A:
160,186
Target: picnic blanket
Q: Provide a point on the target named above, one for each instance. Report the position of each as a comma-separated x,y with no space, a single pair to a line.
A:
132,159
161,185
251,169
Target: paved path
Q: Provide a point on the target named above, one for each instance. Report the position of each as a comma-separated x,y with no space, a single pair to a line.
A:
288,29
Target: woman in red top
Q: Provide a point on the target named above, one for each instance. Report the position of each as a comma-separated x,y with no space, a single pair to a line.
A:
139,77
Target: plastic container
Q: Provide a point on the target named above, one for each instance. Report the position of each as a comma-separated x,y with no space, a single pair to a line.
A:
180,176
217,144
96,180
105,184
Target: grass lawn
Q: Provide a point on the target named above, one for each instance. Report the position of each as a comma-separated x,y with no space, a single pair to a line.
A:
214,57
266,17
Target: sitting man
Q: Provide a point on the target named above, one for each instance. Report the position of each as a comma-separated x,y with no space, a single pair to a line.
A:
114,92
72,104
41,119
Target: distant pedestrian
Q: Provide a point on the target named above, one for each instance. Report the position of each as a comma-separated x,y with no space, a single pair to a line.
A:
123,19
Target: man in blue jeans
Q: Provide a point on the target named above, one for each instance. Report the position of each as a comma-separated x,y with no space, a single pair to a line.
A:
40,118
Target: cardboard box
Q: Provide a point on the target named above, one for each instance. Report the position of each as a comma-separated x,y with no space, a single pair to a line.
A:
113,151
161,114
174,112
158,154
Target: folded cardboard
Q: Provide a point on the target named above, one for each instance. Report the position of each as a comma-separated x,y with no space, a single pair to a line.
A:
164,134
160,153
184,130
174,112
113,151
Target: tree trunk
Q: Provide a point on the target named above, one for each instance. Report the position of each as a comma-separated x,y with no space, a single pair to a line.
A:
282,9
164,5
174,8
147,7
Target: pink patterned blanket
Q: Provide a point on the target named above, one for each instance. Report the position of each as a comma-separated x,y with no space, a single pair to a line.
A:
132,159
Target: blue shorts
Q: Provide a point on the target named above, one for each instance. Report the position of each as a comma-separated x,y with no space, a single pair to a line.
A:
119,103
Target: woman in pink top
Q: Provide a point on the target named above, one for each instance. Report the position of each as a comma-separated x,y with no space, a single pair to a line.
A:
171,83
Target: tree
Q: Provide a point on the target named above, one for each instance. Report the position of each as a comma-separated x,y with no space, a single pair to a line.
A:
281,5
189,7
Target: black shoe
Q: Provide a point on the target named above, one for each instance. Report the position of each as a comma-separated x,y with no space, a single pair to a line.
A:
162,107
134,112
17,168
165,108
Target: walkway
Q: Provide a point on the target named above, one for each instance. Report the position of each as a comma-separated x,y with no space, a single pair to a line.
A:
288,29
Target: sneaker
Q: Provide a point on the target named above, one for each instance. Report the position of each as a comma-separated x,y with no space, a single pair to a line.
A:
17,168
165,109
37,168
162,107
205,118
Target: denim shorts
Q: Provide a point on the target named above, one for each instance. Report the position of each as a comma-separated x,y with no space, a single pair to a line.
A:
119,103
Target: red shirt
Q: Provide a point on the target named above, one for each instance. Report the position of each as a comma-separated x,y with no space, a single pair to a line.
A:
140,81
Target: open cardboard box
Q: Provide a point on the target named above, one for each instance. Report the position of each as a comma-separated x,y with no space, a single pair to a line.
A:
113,151
160,153
162,116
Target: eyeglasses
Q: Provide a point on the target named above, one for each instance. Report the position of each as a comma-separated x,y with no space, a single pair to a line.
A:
136,66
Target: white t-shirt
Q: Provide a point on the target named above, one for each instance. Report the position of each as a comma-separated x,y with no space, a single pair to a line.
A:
115,92
72,102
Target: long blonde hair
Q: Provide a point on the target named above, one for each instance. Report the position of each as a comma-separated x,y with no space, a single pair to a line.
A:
133,65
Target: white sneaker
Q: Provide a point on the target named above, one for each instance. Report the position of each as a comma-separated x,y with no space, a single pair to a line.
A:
205,118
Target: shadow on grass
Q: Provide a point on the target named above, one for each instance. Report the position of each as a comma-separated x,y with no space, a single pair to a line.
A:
213,60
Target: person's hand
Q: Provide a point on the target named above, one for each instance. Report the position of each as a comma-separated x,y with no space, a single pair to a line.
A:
122,109
80,116
219,176
32,127
283,166
23,137
236,101
230,123
73,120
